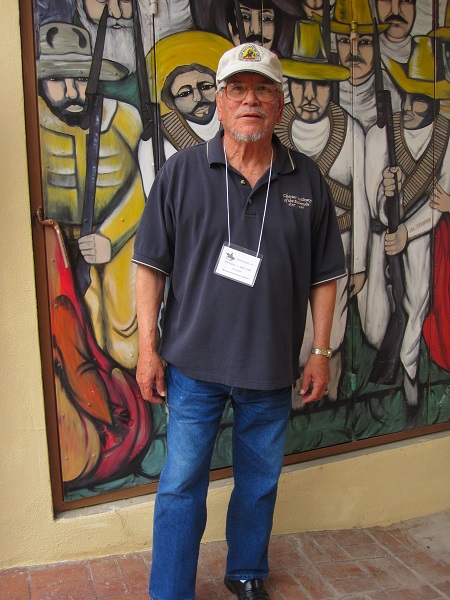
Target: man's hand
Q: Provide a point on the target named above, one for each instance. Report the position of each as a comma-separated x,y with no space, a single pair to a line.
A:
440,199
316,375
390,175
394,243
150,378
95,248
356,283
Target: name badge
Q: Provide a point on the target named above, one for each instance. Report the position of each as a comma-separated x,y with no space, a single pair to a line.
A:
238,264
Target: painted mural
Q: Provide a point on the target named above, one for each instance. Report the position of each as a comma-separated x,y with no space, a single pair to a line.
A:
124,84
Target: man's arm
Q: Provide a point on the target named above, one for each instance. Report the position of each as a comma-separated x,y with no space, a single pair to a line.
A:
150,370
317,369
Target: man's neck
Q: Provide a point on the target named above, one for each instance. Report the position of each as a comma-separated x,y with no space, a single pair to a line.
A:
252,159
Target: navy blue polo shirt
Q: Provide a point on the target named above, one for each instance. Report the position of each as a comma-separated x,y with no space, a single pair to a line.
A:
216,329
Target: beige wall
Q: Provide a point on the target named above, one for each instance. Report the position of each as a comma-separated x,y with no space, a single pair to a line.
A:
375,487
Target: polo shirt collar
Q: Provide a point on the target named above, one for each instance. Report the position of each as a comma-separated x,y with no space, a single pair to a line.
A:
284,163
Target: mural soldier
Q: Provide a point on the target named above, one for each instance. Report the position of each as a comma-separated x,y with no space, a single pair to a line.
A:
395,42
270,24
63,68
316,126
185,88
423,157
352,24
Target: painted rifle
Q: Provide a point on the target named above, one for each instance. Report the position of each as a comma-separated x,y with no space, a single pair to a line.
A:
240,22
92,119
386,363
331,57
149,110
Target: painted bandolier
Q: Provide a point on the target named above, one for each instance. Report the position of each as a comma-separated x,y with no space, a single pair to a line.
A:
313,124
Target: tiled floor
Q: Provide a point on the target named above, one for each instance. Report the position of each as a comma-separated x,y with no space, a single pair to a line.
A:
409,561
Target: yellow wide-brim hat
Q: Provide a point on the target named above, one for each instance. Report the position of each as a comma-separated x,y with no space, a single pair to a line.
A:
309,60
419,76
350,16
185,48
443,33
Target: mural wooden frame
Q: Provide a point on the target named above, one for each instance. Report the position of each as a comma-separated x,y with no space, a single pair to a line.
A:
38,235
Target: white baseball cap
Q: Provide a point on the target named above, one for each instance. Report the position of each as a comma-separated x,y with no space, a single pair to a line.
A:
249,58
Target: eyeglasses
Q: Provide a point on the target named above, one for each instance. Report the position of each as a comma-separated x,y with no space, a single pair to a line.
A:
265,92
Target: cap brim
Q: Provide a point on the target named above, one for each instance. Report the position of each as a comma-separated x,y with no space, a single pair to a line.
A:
252,67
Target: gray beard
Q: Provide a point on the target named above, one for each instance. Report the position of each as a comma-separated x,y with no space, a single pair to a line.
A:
119,43
248,137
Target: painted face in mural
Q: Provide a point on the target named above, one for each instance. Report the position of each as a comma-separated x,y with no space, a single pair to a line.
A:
118,11
249,120
119,41
65,97
310,6
310,99
417,111
356,52
259,26
400,14
194,95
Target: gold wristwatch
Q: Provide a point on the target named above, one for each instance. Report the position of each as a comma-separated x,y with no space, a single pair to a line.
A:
324,352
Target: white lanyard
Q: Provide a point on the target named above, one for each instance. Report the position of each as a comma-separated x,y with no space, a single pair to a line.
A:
228,200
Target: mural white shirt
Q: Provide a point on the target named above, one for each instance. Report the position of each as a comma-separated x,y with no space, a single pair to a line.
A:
311,138
415,257
360,100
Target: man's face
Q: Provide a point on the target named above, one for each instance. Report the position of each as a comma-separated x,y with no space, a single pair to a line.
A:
118,10
259,26
194,95
249,120
66,98
310,6
400,14
310,99
417,111
356,52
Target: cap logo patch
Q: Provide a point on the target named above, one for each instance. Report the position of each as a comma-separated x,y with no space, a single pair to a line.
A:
250,53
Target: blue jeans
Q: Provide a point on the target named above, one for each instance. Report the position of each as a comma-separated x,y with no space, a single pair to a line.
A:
259,431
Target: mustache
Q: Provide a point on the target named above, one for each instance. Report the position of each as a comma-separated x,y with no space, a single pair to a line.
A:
251,111
396,19
111,22
353,58
256,39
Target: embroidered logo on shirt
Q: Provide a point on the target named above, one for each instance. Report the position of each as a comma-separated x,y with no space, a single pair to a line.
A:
297,202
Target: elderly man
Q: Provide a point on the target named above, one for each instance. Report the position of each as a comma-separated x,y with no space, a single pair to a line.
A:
247,232
316,126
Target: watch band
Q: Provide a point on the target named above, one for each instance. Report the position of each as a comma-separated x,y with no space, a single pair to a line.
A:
323,352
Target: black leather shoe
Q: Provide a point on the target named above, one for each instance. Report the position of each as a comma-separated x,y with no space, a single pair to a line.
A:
253,589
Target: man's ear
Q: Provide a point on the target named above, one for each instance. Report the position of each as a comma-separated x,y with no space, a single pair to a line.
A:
281,106
219,100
